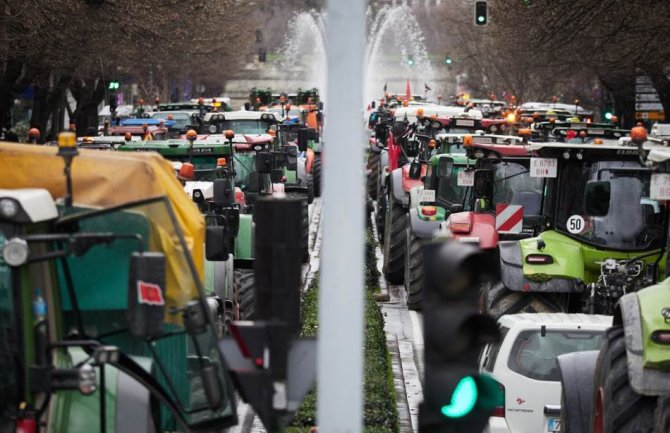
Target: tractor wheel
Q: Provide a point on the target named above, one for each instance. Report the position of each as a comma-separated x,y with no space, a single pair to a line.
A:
305,232
316,174
500,300
394,243
617,408
413,271
373,174
310,189
662,415
380,216
245,283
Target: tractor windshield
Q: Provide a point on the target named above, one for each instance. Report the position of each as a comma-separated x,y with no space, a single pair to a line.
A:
448,190
246,126
607,204
95,303
514,185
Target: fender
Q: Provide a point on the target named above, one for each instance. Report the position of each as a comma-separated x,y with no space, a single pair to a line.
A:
397,191
482,229
407,183
643,379
512,273
422,228
577,371
245,238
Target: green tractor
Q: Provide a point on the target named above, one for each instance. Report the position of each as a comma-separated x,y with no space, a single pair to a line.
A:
625,386
213,187
603,236
105,323
443,192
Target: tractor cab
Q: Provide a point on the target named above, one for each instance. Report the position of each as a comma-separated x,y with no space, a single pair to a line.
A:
244,123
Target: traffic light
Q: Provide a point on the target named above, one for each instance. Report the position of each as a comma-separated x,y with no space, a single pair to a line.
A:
456,397
448,60
410,60
481,13
114,85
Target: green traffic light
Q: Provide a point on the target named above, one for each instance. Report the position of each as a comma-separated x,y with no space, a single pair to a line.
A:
463,399
481,18
448,61
113,85
608,116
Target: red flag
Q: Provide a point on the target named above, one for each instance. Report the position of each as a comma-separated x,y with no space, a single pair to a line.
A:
408,91
149,293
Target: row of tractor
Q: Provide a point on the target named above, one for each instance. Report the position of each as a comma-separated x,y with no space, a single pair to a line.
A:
124,261
571,213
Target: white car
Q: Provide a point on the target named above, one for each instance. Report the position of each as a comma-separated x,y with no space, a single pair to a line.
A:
525,364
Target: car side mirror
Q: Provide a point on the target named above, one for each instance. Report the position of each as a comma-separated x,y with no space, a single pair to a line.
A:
597,198
146,294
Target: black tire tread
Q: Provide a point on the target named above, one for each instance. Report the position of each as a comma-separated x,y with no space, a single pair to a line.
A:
316,175
245,281
625,411
500,300
374,159
413,271
394,244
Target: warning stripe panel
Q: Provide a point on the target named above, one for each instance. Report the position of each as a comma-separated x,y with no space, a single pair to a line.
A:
509,218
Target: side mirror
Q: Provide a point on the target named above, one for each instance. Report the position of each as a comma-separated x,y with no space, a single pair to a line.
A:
373,104
264,162
146,299
445,167
224,194
456,208
597,198
303,139
415,170
216,243
483,184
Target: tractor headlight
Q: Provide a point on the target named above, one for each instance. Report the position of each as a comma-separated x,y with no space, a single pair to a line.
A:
8,208
15,252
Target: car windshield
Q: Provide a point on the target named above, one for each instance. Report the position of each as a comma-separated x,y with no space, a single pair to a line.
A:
626,217
535,355
100,280
246,126
514,185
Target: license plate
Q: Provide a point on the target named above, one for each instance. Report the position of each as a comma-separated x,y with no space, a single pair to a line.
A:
427,195
553,425
596,131
461,122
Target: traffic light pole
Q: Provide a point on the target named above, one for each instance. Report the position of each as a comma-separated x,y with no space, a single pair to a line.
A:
340,345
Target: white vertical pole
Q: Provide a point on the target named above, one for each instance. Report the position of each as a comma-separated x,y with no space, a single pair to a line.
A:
340,347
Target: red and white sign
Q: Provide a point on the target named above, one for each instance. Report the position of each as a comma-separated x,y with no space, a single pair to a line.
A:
509,218
149,293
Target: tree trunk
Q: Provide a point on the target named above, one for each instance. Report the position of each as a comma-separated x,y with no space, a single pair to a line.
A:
88,94
12,81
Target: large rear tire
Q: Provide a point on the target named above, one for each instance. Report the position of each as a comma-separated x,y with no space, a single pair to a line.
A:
316,174
310,188
617,408
380,217
394,243
245,283
374,159
413,270
499,300
662,415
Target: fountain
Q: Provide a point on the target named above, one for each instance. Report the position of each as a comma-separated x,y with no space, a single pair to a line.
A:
303,54
396,53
